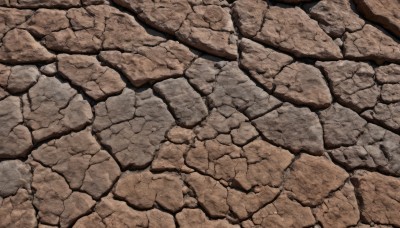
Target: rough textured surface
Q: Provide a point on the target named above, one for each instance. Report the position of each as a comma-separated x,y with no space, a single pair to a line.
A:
199,113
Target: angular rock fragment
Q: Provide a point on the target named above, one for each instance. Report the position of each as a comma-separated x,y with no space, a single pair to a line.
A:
94,27
144,189
151,63
296,33
388,74
233,88
342,126
170,157
18,211
244,134
45,21
376,149
134,136
22,78
53,108
244,205
339,210
207,27
308,172
11,18
15,138
249,16
352,83
390,93
210,29
212,196
187,105
86,72
25,49
383,12
302,84
284,212
188,218
263,63
336,17
297,129
54,199
371,43
180,135
203,72
79,158
379,197
14,175
385,114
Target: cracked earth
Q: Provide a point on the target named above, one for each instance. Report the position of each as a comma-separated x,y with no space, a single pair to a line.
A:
199,113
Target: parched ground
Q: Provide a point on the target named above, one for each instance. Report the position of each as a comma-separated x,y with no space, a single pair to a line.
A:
199,113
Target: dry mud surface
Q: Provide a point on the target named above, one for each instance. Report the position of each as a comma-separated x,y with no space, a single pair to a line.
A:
199,113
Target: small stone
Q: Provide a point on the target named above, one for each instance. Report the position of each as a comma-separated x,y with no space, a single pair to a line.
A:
22,78
181,135
186,104
49,69
14,175
170,157
307,172
297,129
379,197
370,43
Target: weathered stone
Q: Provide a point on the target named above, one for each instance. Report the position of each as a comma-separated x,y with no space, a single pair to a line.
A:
133,140
86,72
15,138
212,196
284,212
49,69
202,73
297,129
340,209
249,16
51,190
388,74
210,29
151,63
308,172
79,158
115,110
234,88
296,33
53,108
352,83
370,43
91,221
383,12
196,218
390,93
94,27
166,16
144,189
14,175
386,114
342,126
263,63
22,78
170,157
379,197
75,206
302,84
336,17
186,104
45,21
11,18
244,205
266,163
43,3
18,211
25,49
180,135
244,134
376,149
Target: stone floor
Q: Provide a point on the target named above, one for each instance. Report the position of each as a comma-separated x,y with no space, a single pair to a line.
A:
199,113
